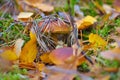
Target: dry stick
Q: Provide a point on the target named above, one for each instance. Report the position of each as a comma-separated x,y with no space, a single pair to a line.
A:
75,35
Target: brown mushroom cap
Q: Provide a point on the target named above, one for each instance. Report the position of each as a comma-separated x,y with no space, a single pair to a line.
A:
55,26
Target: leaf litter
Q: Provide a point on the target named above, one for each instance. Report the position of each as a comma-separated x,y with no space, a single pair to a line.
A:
79,45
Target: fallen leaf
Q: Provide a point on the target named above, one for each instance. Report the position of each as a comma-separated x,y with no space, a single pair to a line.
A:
12,52
111,54
9,55
108,9
97,41
29,51
5,65
45,58
85,22
116,5
40,66
25,16
40,5
18,46
60,55
64,55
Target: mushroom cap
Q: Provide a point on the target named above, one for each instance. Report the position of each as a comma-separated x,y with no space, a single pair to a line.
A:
54,26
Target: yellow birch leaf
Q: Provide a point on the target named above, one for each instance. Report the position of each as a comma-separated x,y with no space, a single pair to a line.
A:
85,22
97,41
29,51
9,55
40,66
45,58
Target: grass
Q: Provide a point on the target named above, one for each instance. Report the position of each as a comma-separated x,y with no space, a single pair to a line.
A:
15,74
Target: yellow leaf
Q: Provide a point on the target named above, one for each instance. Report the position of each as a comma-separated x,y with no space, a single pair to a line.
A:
45,58
85,22
40,66
97,41
12,52
9,55
29,51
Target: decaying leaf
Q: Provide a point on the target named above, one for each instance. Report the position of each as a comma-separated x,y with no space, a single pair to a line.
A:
25,16
18,46
13,52
45,58
60,55
117,5
97,41
40,66
5,65
111,54
85,22
29,51
38,4
64,55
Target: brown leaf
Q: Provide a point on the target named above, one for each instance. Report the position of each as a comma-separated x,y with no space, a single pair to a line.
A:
116,5
111,54
62,56
38,4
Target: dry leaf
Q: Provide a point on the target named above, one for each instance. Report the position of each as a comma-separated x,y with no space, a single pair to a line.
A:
85,22
64,56
29,51
17,47
40,66
97,41
5,65
111,54
116,5
40,5
60,55
9,55
108,9
45,58
13,52
25,16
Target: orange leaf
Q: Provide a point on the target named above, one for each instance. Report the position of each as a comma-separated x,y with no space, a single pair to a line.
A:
65,55
45,58
29,51
60,55
40,66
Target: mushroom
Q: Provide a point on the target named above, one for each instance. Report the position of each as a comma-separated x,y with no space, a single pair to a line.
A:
50,30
